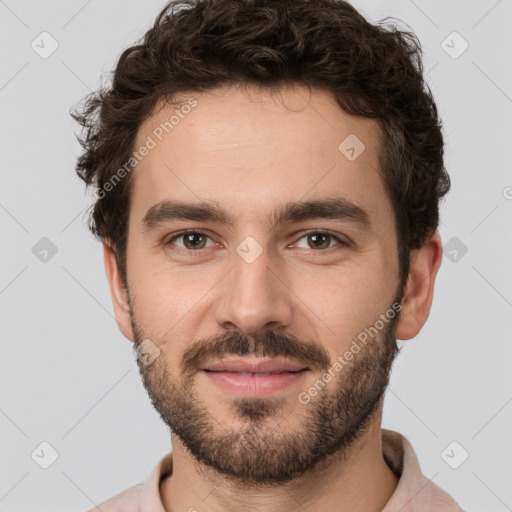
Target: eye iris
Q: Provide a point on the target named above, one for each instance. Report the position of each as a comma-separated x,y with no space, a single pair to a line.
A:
191,238
319,237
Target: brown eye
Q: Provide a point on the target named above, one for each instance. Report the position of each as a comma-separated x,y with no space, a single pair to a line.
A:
192,240
319,241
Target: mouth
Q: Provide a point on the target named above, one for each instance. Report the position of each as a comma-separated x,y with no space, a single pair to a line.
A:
254,377
255,365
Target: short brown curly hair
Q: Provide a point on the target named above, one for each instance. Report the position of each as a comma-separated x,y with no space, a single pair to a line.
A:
374,71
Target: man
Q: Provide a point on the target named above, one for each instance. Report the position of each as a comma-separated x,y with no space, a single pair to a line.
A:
268,175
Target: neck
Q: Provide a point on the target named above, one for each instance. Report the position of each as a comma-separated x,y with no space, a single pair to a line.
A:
355,479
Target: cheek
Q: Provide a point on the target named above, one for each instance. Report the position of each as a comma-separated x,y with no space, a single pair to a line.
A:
344,302
169,302
162,301
157,299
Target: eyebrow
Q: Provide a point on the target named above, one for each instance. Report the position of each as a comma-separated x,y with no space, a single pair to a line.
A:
329,208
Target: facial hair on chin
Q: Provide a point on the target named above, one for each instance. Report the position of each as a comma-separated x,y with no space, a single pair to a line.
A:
263,452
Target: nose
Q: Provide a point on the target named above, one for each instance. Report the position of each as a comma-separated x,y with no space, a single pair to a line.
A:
254,297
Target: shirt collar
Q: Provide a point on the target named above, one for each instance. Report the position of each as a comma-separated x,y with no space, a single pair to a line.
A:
414,492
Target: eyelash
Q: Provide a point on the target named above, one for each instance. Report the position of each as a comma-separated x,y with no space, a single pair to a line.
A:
202,233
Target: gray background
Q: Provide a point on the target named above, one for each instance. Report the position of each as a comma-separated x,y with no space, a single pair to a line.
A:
68,377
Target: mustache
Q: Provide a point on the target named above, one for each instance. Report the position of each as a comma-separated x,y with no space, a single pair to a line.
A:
269,344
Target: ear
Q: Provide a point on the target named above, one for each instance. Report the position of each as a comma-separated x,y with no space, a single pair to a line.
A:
419,289
118,292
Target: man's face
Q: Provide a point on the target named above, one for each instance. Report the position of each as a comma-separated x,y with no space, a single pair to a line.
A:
300,286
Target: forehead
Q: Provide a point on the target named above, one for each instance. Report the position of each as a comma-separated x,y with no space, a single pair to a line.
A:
255,150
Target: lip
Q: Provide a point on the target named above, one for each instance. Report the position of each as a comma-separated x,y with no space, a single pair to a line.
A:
254,377
255,365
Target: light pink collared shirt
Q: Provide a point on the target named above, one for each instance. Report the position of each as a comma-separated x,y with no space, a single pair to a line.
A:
414,493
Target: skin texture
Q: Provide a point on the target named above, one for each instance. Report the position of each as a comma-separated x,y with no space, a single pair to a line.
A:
303,298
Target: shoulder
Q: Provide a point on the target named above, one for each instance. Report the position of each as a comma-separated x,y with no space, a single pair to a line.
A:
126,501
414,492
443,502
